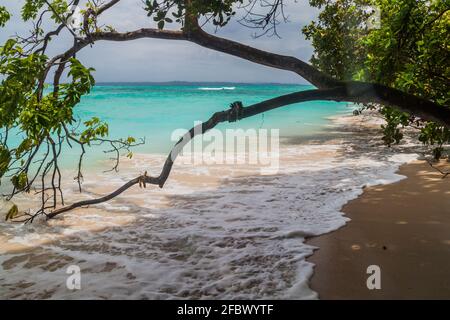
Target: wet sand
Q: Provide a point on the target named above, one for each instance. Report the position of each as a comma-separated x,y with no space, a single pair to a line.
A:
191,239
404,228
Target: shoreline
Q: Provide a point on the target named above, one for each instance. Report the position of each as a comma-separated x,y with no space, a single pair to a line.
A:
204,206
403,227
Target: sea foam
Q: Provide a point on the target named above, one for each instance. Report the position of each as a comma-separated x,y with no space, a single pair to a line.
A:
216,88
238,236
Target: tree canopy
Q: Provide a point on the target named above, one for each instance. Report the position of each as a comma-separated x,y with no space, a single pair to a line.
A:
407,49
400,67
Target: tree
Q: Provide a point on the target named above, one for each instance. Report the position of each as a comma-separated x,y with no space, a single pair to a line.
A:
408,49
47,121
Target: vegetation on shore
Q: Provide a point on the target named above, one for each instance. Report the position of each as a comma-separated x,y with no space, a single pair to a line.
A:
399,67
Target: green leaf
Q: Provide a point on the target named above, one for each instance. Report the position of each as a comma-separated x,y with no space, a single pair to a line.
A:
5,159
31,9
12,213
4,16
20,181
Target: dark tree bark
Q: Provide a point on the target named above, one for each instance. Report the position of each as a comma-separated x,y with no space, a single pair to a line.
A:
360,92
328,88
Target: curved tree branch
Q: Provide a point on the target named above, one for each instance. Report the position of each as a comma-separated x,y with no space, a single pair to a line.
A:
235,113
368,92
329,89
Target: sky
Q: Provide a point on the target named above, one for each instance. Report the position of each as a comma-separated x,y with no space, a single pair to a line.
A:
155,60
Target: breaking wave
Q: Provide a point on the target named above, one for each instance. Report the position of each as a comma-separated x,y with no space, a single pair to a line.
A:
217,88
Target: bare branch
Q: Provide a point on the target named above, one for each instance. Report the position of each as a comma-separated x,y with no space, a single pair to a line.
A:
329,89
235,113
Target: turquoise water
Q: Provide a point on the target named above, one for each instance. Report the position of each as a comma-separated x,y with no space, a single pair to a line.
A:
240,238
155,111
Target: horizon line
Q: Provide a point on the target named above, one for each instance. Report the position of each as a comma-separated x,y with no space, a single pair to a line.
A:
196,82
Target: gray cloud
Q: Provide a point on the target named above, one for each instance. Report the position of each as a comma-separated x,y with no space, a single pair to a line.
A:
163,60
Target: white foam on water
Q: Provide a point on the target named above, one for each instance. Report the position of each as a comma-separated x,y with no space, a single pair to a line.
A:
217,88
241,238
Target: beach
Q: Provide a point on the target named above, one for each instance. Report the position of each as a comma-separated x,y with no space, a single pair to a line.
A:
216,230
404,228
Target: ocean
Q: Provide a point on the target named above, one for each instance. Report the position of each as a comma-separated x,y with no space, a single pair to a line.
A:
154,111
215,231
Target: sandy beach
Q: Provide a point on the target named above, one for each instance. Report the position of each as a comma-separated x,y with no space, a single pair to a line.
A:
404,228
230,232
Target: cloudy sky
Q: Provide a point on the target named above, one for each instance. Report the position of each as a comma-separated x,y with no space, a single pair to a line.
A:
163,60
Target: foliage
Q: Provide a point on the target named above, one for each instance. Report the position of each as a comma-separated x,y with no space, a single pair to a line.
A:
435,135
5,160
94,128
163,11
31,8
4,16
336,37
20,181
391,131
42,114
408,50
12,213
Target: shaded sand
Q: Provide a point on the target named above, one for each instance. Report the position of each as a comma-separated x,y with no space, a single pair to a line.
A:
404,228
